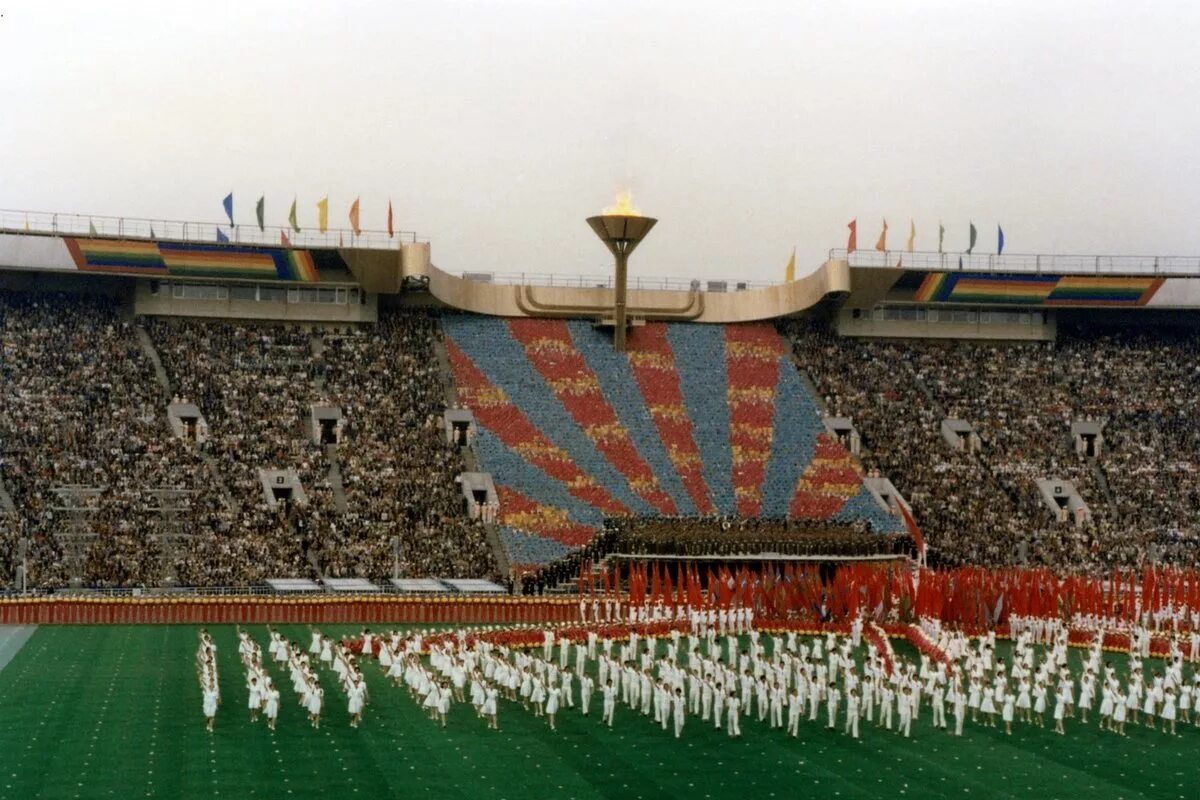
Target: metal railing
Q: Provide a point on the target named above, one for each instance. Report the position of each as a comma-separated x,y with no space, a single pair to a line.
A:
606,281
86,225
1023,263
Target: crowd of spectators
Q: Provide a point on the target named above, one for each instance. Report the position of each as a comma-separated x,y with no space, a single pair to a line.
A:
731,536
398,469
1021,398
102,491
716,537
254,386
84,451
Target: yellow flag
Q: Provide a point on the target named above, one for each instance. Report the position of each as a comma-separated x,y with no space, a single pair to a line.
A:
790,273
354,217
912,235
881,244
323,214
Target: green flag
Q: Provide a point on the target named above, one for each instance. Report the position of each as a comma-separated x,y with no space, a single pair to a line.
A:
941,235
971,246
258,211
292,217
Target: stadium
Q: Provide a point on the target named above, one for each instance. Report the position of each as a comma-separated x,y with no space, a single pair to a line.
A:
296,504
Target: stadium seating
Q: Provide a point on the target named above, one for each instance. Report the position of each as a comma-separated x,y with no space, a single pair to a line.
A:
693,419
1021,398
399,473
83,450
103,492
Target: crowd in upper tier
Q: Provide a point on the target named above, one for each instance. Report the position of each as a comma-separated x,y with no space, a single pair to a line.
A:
94,485
985,507
102,491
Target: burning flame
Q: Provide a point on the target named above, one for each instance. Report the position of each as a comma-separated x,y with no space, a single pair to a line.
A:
624,206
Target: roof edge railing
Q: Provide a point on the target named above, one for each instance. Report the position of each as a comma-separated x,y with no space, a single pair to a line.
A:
640,282
1054,264
96,226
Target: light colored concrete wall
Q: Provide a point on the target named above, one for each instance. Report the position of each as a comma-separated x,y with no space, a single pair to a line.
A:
163,304
867,326
716,307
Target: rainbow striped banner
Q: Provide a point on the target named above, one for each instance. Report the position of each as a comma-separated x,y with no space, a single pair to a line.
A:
949,287
1036,290
117,256
1083,290
186,260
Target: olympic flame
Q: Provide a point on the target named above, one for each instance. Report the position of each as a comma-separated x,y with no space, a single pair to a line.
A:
624,206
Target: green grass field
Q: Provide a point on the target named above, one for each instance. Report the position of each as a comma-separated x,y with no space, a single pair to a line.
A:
96,712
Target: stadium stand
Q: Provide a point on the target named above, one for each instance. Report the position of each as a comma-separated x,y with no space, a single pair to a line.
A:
694,418
398,470
984,508
697,426
103,492
84,451
256,386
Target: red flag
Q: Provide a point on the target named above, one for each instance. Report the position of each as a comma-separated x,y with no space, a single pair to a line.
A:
283,239
852,244
913,530
724,587
391,230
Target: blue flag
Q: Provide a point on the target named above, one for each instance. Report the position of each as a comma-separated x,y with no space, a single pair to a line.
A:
228,203
221,237
1000,240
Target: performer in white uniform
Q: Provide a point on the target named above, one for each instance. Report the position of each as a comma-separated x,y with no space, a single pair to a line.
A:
271,704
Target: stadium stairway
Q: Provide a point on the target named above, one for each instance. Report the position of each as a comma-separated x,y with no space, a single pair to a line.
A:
316,346
335,479
160,373
1102,482
218,478
6,502
693,419
164,383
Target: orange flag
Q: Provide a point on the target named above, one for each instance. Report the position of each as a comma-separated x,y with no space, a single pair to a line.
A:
391,230
852,245
354,217
882,243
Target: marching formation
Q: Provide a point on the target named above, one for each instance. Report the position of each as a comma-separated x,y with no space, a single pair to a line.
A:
724,674
206,671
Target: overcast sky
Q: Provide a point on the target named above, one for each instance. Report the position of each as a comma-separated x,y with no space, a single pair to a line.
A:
496,127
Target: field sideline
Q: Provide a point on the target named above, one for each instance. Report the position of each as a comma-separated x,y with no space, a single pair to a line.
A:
114,711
